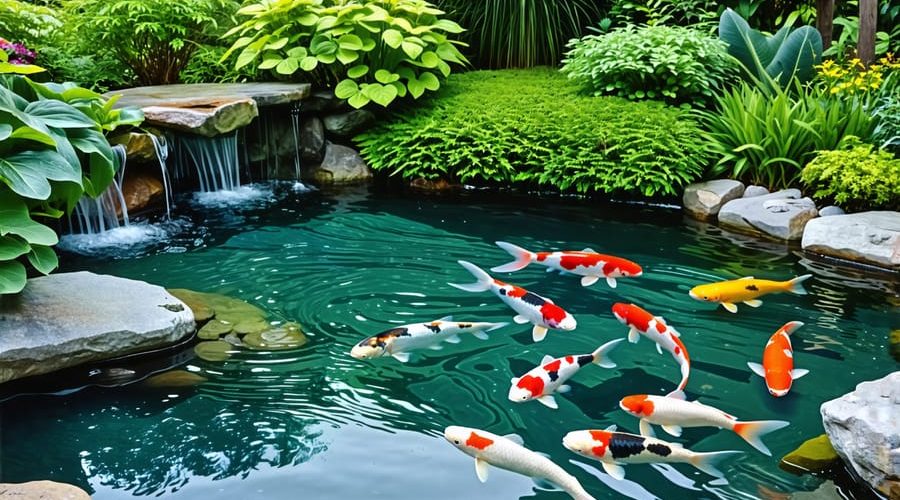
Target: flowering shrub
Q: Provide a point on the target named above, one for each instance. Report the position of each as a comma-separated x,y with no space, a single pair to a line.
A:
17,53
852,77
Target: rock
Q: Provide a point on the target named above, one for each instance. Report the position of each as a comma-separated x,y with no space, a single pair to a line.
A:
349,123
198,302
66,319
264,94
867,237
781,214
865,431
42,490
214,350
251,325
174,378
322,101
895,344
831,210
341,165
139,190
138,146
214,329
703,200
287,336
430,185
814,455
207,117
312,140
753,191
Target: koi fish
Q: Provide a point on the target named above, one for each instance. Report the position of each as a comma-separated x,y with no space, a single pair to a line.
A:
672,412
550,376
508,452
613,448
587,263
531,307
641,322
745,290
778,361
399,341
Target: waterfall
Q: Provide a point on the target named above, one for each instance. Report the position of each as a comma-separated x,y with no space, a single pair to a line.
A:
161,146
295,126
214,160
95,215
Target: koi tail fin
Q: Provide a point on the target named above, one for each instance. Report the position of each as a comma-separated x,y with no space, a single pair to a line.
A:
796,285
707,461
523,258
601,355
484,279
792,326
751,432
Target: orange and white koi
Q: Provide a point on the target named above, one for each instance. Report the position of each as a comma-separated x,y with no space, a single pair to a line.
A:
531,307
672,412
399,341
641,322
507,452
778,361
745,290
586,263
551,375
613,449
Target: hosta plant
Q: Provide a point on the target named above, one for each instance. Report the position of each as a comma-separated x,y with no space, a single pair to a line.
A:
374,51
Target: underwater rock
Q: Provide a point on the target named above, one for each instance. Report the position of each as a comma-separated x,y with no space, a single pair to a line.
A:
349,123
67,319
287,336
831,210
864,429
430,185
214,329
251,325
42,490
753,191
140,190
814,455
703,200
782,215
341,165
867,237
198,303
174,378
312,140
895,344
213,350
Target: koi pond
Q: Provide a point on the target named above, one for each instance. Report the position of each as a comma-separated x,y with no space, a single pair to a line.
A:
314,422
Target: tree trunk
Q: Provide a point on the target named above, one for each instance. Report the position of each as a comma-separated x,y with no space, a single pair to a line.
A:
825,21
868,12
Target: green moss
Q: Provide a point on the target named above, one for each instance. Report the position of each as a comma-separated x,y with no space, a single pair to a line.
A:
814,455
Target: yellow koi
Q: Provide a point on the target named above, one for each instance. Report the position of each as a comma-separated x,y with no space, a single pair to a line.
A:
745,290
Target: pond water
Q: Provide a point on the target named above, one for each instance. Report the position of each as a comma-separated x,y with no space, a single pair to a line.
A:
316,423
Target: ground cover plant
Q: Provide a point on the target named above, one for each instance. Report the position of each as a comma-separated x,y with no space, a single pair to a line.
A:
477,130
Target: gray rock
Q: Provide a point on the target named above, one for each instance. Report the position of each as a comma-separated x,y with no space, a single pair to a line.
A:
66,319
752,191
42,490
341,165
349,123
831,210
703,200
207,117
781,215
864,428
263,94
867,237
312,139
322,101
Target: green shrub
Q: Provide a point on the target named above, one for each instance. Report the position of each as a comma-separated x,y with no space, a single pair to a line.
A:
533,127
696,13
206,66
665,62
857,176
26,22
377,50
887,123
766,136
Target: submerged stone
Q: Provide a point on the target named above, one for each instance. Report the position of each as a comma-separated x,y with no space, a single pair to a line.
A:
287,336
895,344
197,301
174,378
814,455
214,329
251,325
213,350
42,490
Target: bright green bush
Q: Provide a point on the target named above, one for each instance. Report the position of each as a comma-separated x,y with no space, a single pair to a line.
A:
26,22
653,62
534,127
857,176
887,128
376,50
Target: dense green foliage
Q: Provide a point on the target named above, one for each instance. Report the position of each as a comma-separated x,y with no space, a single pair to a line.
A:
520,34
376,50
695,13
857,176
766,136
886,134
533,127
654,62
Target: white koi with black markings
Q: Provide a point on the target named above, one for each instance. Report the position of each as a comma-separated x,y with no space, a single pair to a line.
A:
400,341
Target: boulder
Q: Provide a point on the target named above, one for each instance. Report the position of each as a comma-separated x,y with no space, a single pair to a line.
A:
312,139
207,117
341,165
138,146
322,101
867,237
781,215
349,123
264,94
703,200
814,455
831,210
864,428
754,190
42,490
140,190
66,319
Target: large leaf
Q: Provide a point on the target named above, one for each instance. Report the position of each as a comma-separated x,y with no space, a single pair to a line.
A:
12,247
43,258
27,173
12,276
800,51
15,219
59,114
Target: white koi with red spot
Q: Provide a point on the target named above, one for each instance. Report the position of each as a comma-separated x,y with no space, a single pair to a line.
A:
586,263
507,452
531,307
550,376
641,322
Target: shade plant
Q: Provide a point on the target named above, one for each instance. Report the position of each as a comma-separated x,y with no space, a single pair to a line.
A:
857,176
371,50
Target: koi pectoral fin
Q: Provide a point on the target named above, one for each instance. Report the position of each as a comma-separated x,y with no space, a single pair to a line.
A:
611,282
520,319
453,339
614,470
548,401
538,333
646,428
633,335
481,469
589,280
729,307
757,369
753,303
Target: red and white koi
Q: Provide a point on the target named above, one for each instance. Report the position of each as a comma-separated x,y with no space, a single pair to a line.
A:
672,412
551,375
613,449
778,361
641,322
586,263
507,452
531,307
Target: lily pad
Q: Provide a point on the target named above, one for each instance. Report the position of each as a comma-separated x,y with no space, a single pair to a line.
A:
214,329
287,336
814,455
251,325
174,378
214,350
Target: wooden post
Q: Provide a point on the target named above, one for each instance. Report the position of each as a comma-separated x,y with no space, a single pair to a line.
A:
868,12
825,21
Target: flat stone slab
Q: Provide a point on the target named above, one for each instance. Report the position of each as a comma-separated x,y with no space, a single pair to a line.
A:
67,319
703,200
781,215
867,237
42,490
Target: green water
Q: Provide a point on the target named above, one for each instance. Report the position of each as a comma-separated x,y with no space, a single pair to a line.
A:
316,423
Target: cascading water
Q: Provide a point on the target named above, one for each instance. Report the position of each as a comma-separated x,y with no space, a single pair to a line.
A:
215,160
161,146
105,212
295,127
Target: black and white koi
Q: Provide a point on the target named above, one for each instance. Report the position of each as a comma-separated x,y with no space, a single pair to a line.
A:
400,341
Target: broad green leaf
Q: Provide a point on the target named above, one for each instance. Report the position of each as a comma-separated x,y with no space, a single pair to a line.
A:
358,100
448,26
298,52
14,219
346,89
239,43
430,81
59,114
347,56
357,71
12,276
411,49
12,247
43,258
270,60
381,94
392,38
277,44
385,76
6,130
430,59
72,93
307,19
20,69
287,66
322,44
416,88
246,57
309,63
26,173
350,42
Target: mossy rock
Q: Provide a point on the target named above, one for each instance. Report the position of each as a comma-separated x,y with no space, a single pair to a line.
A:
174,378
197,301
814,455
245,318
895,344
287,336
214,350
214,329
251,325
